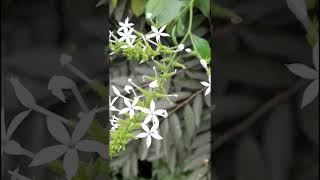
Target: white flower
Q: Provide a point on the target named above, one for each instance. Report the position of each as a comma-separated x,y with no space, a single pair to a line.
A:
180,47
152,114
207,84
117,92
114,123
154,84
127,36
130,107
204,64
111,106
188,50
148,15
158,33
148,134
125,25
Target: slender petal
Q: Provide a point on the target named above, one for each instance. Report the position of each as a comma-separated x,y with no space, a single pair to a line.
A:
303,71
58,130
142,135
148,119
83,126
207,91
127,102
16,122
48,154
131,113
310,94
161,112
152,106
205,83
92,146
124,110
156,135
149,141
71,163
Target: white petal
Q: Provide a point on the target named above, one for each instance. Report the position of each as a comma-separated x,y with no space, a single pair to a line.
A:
145,128
208,91
149,36
204,64
162,28
127,102
144,110
303,71
155,122
161,112
154,84
205,83
135,101
148,141
124,110
114,100
148,119
131,113
116,91
158,38
154,29
156,136
165,34
152,106
127,88
142,135
310,94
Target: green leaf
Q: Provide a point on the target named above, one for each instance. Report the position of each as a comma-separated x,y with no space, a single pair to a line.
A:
175,128
134,164
189,120
197,108
138,7
249,160
181,29
171,160
170,9
201,46
204,6
155,7
174,36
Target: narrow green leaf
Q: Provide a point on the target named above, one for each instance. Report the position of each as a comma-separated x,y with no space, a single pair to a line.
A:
189,120
181,29
174,36
197,109
175,128
171,160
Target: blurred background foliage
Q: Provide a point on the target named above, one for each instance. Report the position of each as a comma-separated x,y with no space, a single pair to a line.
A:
260,130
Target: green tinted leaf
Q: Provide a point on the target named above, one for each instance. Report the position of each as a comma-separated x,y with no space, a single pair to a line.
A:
174,36
172,158
155,7
138,7
204,6
201,46
181,28
175,128
170,11
197,108
189,120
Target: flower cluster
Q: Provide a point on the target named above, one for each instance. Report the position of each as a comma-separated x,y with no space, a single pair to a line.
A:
140,112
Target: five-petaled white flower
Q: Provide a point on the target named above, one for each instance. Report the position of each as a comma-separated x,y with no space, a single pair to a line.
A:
152,114
148,134
130,107
127,36
158,33
208,85
126,25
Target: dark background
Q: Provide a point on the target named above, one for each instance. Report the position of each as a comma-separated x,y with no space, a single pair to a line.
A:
34,33
282,142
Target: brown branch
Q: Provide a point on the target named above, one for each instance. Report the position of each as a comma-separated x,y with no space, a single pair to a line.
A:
187,101
266,107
